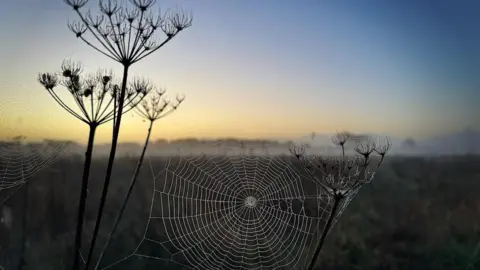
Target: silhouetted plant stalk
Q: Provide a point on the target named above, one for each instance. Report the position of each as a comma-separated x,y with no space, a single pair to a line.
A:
341,177
125,35
151,109
93,96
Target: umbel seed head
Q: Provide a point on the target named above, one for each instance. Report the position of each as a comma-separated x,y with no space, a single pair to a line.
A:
71,69
76,4
87,92
126,33
106,79
67,73
49,81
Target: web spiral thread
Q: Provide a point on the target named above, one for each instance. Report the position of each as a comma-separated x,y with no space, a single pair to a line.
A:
239,211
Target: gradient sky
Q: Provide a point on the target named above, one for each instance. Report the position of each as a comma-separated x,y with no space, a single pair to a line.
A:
267,68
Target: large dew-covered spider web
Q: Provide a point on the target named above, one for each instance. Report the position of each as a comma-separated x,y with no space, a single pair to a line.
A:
239,211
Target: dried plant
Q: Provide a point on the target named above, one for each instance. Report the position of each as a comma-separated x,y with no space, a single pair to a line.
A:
381,148
340,138
153,108
297,150
341,177
94,98
125,34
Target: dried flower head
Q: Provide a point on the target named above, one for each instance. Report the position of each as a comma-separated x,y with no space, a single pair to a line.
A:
89,92
365,147
109,7
76,4
156,106
143,5
180,20
49,81
340,138
94,21
297,150
382,147
141,85
126,33
104,76
79,28
342,175
71,69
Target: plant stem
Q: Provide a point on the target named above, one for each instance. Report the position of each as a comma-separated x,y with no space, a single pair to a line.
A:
21,263
111,159
325,232
83,196
127,197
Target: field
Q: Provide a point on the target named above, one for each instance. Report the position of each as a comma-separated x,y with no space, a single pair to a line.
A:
418,213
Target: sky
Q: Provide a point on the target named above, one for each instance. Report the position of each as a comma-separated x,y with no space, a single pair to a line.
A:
265,69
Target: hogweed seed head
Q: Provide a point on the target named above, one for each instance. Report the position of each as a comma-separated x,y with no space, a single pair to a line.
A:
90,93
155,106
383,146
67,73
94,21
155,21
126,32
76,4
142,86
365,147
87,92
180,20
340,138
143,5
106,79
78,28
49,81
180,98
131,14
297,150
109,7
71,69
345,173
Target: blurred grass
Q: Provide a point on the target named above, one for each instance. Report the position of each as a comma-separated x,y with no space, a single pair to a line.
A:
418,213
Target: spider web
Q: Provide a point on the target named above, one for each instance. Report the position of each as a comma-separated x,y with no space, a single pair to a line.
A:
20,160
241,211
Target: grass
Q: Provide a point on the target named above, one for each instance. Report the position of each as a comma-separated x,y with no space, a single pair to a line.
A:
418,213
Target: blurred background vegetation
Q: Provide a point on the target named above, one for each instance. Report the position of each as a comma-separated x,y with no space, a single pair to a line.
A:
418,213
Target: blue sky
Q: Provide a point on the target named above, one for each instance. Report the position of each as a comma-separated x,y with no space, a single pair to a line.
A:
271,68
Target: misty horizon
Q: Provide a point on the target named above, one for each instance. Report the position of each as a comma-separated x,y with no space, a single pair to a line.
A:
390,68
303,137
460,143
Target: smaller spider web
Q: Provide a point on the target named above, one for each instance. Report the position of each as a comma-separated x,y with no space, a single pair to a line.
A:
20,160
233,212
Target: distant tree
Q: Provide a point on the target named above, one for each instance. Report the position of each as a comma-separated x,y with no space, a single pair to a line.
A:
96,100
340,178
409,142
161,141
19,139
125,34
